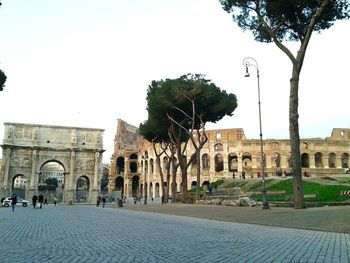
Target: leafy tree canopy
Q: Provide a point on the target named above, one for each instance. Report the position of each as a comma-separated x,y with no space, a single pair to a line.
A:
289,19
173,98
2,80
52,181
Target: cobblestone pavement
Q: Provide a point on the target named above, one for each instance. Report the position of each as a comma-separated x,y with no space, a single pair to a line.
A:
95,234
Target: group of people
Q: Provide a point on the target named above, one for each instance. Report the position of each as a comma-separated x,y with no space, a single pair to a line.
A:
100,199
35,199
39,199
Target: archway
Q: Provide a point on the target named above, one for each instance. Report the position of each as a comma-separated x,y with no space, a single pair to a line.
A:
19,184
218,147
151,189
205,161
345,160
119,184
233,162
331,160
247,162
133,167
276,160
205,185
157,190
51,180
135,186
318,160
151,164
219,163
120,165
193,185
305,160
82,189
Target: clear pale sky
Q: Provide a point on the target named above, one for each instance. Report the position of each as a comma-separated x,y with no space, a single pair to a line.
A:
86,63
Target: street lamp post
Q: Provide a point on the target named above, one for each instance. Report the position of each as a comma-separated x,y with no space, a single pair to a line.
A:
251,62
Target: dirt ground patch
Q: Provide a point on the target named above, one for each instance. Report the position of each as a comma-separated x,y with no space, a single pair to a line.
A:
330,219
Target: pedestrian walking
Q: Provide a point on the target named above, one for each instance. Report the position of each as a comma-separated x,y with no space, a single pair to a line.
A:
45,201
98,201
13,202
103,202
41,200
55,201
34,200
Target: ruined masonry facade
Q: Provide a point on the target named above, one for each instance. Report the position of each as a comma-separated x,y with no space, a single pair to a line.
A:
227,152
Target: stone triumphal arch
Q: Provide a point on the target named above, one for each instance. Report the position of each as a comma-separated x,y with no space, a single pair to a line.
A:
29,148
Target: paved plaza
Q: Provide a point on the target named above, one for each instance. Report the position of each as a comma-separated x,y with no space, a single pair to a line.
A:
85,233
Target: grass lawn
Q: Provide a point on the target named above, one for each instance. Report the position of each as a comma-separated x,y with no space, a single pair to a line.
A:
323,192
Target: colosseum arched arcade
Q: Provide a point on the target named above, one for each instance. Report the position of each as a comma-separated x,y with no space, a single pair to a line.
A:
227,152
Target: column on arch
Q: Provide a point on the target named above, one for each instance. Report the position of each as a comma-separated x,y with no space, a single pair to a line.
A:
338,160
312,161
97,165
33,175
127,186
5,175
68,194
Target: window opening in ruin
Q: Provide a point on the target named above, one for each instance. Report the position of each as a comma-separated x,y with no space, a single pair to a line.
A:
305,160
218,147
344,160
219,163
318,160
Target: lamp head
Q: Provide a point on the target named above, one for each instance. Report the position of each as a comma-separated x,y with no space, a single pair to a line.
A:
247,75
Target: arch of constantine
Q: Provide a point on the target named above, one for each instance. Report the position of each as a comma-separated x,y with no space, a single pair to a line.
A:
228,152
28,148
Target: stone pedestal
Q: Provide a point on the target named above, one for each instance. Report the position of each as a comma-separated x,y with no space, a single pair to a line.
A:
68,196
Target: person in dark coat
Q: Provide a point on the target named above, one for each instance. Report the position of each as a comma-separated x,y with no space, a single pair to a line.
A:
13,202
41,200
103,201
98,201
34,200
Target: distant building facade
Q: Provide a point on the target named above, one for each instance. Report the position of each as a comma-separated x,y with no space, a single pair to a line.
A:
228,152
52,170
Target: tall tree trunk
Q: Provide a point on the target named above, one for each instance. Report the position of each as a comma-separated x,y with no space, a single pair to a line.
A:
198,154
173,175
167,179
161,177
295,139
184,183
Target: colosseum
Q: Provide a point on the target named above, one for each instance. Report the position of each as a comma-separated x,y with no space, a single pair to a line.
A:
227,153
